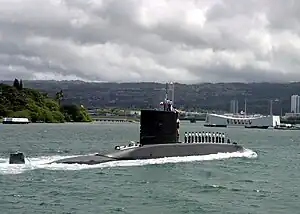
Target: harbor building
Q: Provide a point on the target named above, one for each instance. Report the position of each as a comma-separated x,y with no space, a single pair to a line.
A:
234,107
295,104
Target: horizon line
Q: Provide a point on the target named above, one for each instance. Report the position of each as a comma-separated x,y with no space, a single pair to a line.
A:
153,82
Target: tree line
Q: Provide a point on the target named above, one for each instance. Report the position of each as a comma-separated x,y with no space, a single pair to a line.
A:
18,101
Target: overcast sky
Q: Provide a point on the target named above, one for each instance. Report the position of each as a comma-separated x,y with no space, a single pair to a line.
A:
150,40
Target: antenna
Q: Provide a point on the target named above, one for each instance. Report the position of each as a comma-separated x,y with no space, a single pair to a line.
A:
167,88
271,107
245,113
173,93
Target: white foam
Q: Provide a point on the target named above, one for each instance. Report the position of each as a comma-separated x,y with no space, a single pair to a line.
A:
43,162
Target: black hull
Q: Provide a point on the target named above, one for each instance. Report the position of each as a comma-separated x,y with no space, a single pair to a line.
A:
256,127
214,125
281,128
156,151
4,122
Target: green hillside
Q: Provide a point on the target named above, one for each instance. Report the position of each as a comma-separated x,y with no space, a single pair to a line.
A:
18,101
190,97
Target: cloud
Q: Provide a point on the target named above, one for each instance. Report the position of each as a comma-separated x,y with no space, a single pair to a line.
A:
150,40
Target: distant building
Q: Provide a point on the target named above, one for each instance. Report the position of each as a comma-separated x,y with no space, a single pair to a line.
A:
292,115
234,107
295,104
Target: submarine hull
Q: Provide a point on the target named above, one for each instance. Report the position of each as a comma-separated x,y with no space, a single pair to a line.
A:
85,159
156,151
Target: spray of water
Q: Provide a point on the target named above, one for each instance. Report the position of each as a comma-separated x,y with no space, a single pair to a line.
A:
43,162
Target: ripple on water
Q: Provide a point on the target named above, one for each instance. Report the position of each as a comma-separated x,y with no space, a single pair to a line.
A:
266,183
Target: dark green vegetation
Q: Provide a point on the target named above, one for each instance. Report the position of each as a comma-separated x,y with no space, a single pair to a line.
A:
204,96
18,101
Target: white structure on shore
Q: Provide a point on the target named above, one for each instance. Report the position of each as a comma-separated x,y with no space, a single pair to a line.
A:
12,120
249,121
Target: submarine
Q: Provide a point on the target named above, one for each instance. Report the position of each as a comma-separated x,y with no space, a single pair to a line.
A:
159,138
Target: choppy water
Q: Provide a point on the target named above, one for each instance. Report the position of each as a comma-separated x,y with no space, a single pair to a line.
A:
264,179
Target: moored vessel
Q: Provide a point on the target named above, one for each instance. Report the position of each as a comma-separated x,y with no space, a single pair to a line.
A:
286,127
15,120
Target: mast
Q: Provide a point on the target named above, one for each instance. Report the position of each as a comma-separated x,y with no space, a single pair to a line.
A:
173,92
245,113
166,101
166,95
271,107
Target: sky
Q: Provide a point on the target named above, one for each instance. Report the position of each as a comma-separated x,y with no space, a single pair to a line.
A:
186,41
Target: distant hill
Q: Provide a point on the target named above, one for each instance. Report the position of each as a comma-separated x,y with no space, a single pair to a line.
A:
204,96
19,101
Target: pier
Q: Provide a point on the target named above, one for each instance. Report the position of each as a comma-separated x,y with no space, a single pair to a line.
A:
115,120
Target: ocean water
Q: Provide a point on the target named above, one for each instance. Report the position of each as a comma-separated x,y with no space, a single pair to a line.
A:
263,179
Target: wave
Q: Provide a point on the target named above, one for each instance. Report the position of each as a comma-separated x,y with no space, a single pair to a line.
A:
43,162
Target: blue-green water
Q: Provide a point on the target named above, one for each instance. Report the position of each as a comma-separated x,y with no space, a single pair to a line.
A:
262,183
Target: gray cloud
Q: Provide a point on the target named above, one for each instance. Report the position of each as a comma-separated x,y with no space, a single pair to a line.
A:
150,40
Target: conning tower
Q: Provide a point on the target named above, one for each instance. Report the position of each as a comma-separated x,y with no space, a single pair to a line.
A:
158,127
